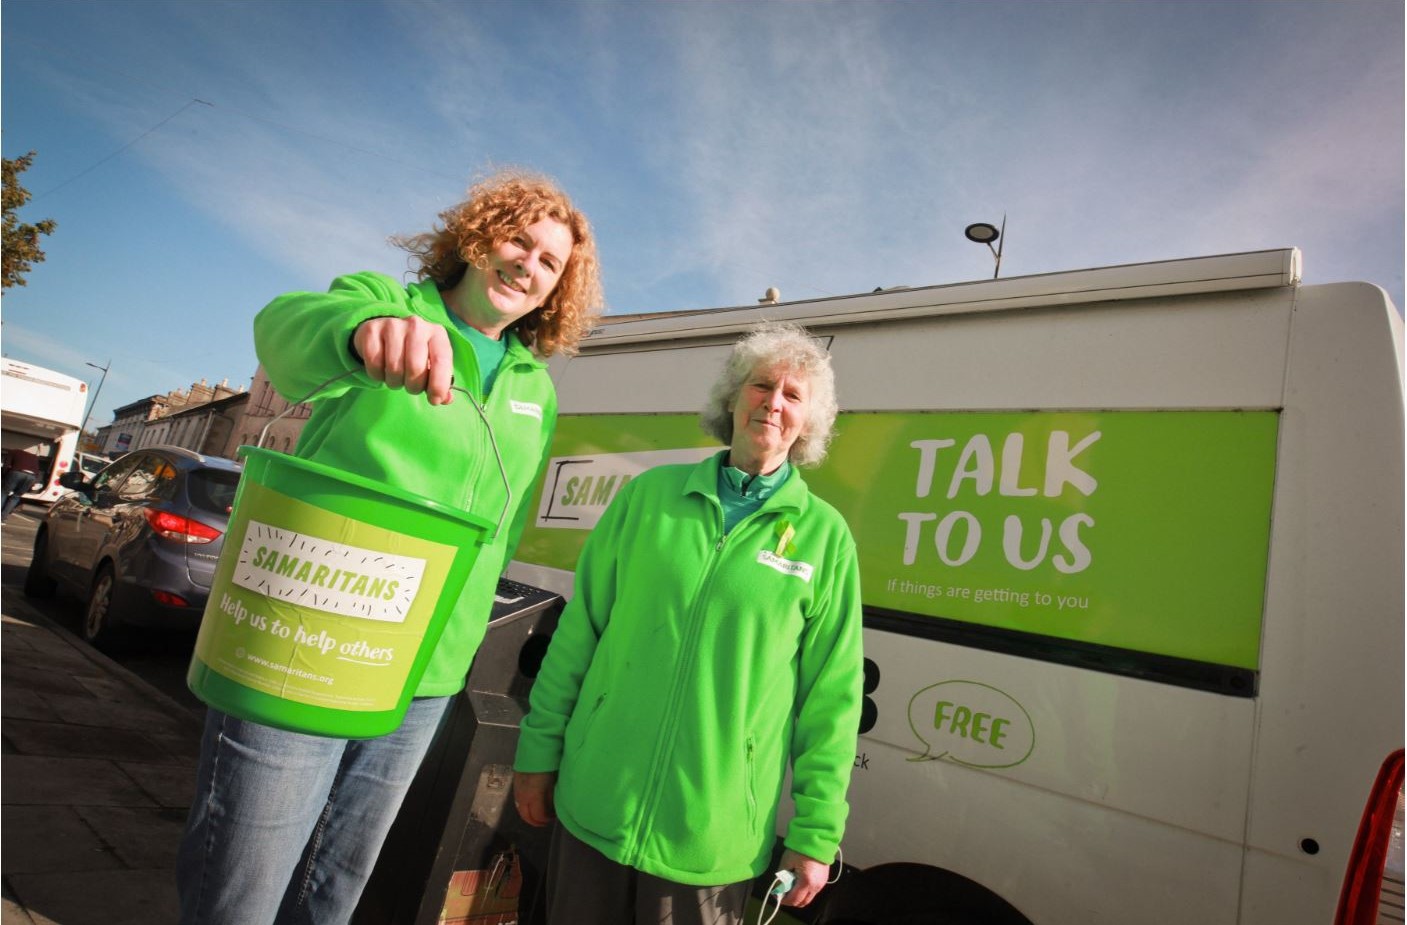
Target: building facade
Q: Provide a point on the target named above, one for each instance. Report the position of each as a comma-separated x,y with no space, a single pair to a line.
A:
206,428
135,425
128,424
266,409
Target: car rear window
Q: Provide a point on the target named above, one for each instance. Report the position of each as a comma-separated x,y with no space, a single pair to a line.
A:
213,489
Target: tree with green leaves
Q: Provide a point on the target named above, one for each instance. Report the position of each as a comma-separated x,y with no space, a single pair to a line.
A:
21,244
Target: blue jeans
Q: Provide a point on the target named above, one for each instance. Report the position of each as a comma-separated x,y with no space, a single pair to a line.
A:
286,827
17,484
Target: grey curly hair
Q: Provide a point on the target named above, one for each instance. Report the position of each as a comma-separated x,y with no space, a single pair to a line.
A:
777,346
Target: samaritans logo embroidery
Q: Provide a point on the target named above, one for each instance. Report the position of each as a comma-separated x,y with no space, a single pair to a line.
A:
801,570
530,408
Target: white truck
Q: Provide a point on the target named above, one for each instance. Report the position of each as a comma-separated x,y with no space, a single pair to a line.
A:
1131,542
41,411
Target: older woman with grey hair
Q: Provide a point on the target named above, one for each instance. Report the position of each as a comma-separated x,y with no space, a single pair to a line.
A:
778,347
713,640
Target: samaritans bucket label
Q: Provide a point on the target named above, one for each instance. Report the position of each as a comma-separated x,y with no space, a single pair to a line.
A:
317,608
326,575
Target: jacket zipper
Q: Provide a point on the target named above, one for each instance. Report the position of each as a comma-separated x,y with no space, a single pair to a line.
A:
482,451
665,740
655,783
478,442
480,445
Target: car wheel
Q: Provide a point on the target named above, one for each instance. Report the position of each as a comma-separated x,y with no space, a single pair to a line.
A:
37,580
98,626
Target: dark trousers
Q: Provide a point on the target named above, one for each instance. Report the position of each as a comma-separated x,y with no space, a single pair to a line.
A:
17,483
584,887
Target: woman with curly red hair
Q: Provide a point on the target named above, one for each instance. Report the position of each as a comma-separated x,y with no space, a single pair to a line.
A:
286,827
495,211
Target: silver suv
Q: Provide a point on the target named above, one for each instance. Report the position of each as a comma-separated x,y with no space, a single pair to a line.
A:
139,542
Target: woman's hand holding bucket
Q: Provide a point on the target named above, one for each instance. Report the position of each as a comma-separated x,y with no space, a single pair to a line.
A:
408,353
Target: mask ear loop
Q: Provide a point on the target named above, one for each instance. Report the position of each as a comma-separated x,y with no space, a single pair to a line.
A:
781,885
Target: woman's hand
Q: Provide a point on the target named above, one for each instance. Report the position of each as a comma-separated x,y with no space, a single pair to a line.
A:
407,353
811,875
532,792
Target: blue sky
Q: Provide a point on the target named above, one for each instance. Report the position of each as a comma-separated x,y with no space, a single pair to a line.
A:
202,157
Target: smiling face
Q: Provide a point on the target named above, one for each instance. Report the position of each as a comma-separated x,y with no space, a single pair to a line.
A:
518,276
769,413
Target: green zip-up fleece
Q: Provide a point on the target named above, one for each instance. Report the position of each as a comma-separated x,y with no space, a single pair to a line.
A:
690,667
442,452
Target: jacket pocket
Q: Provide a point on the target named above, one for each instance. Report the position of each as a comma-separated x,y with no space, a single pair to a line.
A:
751,785
587,722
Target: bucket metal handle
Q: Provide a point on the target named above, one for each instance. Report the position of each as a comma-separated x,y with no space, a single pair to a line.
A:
493,441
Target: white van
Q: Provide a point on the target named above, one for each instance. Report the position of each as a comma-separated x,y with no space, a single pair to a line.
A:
1132,548
41,412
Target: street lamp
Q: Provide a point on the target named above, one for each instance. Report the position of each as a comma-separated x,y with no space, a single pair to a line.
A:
983,233
84,429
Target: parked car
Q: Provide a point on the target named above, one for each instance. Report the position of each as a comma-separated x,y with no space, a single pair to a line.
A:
139,542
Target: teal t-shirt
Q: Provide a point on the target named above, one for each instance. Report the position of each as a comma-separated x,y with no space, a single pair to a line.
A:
487,351
741,494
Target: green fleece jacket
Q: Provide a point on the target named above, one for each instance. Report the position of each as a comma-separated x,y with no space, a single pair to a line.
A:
441,452
690,667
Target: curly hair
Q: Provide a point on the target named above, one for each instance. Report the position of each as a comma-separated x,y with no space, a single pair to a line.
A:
498,207
786,347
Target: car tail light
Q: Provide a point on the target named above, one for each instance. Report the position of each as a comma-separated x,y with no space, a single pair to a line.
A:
1372,885
181,529
169,599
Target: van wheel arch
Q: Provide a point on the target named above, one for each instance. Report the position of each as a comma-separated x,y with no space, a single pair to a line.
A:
905,893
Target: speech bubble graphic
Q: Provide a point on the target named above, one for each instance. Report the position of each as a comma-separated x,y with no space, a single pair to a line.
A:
972,724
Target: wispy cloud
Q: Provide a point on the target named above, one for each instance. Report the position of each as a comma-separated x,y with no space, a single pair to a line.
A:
822,148
835,148
131,374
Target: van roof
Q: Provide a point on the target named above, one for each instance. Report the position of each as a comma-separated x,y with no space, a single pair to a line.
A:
1222,273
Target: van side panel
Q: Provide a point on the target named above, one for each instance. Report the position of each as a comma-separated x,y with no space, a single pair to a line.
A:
657,378
1221,351
1158,772
1329,712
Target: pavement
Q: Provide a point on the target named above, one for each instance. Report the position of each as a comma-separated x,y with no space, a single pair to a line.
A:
96,773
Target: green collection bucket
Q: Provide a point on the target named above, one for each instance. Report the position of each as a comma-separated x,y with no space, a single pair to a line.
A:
329,597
